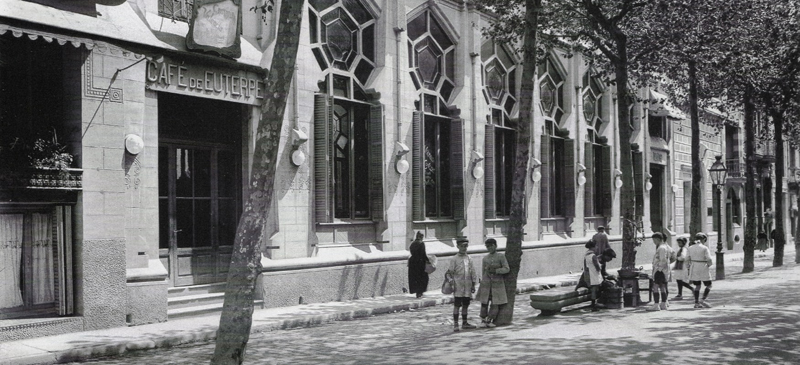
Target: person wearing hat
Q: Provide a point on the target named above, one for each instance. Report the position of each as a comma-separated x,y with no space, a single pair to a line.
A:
600,240
417,277
699,260
492,291
680,271
464,279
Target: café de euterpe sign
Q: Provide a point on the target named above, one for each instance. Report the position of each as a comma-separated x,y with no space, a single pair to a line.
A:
215,26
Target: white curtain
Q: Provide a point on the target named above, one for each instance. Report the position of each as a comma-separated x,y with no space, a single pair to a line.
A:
42,259
11,226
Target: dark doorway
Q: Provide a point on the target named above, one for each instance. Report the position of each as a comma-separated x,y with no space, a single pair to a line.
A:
657,198
199,186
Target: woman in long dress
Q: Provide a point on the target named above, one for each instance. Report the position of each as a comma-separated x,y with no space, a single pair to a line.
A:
417,277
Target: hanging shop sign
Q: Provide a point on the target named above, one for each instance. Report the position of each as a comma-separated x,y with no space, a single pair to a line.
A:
205,81
215,27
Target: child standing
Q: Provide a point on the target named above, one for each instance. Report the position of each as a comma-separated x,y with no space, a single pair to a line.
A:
592,272
680,271
463,273
699,259
493,287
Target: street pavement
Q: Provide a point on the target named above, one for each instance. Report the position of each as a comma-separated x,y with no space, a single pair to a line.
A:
755,319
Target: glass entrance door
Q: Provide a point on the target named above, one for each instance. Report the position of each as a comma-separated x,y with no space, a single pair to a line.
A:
197,211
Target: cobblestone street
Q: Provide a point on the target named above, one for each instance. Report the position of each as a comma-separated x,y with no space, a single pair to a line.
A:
755,319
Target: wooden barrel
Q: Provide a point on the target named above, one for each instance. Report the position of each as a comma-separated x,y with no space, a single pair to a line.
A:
613,298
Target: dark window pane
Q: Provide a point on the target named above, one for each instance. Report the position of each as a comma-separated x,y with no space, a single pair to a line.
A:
184,172
505,57
450,65
508,169
339,38
439,35
341,86
323,63
341,162
363,70
431,168
418,26
226,172
361,163
509,105
184,219
368,42
321,5
227,222
445,197
163,171
202,223
430,103
202,173
163,223
357,10
512,82
411,54
447,90
555,75
312,26
487,50
429,65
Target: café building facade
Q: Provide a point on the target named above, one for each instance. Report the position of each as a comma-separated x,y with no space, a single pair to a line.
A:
400,119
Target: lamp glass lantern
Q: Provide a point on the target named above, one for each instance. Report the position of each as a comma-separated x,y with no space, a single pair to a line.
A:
718,172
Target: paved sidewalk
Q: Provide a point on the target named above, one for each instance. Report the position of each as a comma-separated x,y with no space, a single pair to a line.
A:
93,344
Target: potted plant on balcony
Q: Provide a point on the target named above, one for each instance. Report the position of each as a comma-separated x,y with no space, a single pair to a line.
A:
38,162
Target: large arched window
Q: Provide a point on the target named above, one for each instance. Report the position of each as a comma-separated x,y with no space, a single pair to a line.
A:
499,90
597,152
438,136
348,122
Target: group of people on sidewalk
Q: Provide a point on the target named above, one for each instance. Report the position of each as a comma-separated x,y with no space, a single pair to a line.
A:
690,267
461,272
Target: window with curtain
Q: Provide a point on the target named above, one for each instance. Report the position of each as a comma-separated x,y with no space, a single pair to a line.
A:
499,90
35,261
348,124
437,135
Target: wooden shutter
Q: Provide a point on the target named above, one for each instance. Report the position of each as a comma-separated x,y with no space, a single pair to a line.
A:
588,188
638,182
545,171
568,171
376,166
607,181
418,167
323,152
488,176
457,167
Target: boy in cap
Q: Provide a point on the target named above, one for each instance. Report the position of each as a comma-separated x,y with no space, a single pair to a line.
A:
493,287
464,277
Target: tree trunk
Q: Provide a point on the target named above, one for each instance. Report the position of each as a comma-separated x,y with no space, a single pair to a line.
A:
750,229
237,312
695,225
780,237
797,236
627,200
517,219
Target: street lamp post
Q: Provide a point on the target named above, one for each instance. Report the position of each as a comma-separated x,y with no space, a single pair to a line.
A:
718,174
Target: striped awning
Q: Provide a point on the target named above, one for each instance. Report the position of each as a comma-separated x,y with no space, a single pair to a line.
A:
33,35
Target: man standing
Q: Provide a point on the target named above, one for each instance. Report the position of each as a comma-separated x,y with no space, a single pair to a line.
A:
600,240
699,260
661,272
